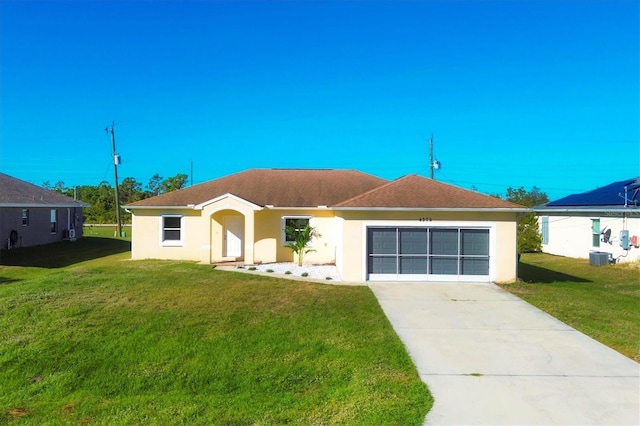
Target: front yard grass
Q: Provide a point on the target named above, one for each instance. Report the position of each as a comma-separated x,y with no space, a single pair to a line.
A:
600,301
112,341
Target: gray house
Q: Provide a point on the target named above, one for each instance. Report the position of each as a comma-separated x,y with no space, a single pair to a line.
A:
31,215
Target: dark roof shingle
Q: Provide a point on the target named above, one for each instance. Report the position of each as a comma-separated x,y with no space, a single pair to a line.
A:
277,187
331,188
16,192
415,191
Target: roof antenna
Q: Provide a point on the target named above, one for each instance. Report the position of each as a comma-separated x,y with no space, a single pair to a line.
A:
433,164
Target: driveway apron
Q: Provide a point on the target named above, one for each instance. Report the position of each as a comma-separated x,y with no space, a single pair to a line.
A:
490,358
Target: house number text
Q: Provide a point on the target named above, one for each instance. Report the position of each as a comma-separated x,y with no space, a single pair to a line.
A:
425,219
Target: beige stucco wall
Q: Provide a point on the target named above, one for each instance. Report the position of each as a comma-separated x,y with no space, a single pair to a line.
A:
146,236
352,256
203,238
341,240
269,245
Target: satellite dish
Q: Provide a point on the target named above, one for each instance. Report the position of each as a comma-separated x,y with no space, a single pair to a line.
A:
436,165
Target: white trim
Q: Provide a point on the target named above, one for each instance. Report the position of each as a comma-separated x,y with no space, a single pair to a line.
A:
224,197
283,236
129,208
435,209
200,206
619,210
172,243
493,261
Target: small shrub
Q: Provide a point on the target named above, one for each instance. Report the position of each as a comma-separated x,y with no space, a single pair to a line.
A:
252,268
288,273
269,270
304,274
328,278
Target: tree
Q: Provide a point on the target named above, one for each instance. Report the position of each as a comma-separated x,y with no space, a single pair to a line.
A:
529,237
301,238
154,185
130,190
173,183
58,187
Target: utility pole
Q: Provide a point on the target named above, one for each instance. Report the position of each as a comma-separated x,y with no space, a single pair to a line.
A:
116,161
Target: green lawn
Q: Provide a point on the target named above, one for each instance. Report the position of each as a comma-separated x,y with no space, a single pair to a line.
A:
107,231
601,301
89,337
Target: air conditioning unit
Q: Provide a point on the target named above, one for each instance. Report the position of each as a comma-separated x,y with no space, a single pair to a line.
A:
72,234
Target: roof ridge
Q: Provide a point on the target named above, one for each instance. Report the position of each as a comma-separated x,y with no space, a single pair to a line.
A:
384,185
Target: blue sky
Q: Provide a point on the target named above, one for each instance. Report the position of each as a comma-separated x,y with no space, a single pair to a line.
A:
515,93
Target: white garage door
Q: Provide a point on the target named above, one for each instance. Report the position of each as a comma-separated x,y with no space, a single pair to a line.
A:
428,253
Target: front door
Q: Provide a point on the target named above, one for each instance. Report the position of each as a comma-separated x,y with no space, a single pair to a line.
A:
233,234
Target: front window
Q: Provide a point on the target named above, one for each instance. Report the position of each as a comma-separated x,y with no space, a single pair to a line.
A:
54,221
297,223
595,232
171,232
545,229
25,217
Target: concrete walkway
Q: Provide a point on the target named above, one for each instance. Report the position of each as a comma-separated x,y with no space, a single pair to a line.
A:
490,358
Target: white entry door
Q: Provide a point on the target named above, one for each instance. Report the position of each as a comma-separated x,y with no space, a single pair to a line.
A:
233,232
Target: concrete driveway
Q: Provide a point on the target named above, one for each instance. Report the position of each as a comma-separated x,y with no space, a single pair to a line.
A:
490,358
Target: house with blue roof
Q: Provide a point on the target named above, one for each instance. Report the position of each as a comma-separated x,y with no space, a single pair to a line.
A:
604,220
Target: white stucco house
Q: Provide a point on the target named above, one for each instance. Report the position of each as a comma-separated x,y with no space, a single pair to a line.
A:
604,220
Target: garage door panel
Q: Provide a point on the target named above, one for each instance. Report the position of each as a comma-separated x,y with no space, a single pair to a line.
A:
413,241
383,265
475,242
382,241
443,265
474,266
413,265
444,241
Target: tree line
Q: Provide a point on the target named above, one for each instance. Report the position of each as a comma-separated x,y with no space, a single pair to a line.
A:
102,198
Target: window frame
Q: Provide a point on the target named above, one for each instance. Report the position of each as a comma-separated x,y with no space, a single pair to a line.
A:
595,234
25,217
165,242
53,221
544,229
283,224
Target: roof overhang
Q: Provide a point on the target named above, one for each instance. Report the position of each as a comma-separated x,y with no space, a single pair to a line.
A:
129,208
40,205
618,210
197,206
436,209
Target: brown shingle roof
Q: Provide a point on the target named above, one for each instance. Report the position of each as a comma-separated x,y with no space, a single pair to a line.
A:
414,191
277,187
332,188
16,193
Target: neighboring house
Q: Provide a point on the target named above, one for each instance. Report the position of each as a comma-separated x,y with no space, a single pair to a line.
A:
31,215
411,228
606,219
